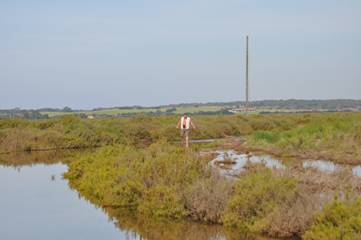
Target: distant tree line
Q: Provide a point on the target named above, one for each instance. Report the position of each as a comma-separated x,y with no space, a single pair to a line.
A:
290,104
333,104
65,109
310,104
18,113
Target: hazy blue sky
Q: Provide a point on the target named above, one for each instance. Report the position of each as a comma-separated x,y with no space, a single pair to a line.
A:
86,54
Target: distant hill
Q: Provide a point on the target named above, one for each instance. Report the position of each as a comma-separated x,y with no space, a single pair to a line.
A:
264,106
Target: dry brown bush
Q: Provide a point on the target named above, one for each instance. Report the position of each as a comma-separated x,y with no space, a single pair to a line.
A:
207,198
314,190
294,216
342,182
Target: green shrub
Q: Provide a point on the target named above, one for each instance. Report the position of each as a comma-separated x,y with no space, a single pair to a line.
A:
255,196
162,201
338,220
267,136
150,181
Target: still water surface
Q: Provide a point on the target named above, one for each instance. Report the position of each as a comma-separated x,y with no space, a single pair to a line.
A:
36,203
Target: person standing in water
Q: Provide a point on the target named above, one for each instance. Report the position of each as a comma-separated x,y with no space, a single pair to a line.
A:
184,124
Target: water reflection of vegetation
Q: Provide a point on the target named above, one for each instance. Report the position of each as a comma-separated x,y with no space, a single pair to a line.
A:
153,229
19,159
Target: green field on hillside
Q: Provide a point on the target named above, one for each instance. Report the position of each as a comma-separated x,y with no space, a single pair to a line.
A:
123,111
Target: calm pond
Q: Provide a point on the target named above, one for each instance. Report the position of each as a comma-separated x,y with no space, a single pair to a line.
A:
37,203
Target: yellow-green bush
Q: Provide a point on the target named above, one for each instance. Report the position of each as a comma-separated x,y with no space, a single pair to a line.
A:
255,196
150,181
338,220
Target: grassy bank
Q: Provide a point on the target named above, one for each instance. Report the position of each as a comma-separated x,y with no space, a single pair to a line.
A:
335,137
73,132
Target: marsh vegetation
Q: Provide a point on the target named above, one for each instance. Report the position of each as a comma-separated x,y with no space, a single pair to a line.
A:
140,168
332,136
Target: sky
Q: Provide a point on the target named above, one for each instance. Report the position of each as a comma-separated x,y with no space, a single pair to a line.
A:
87,54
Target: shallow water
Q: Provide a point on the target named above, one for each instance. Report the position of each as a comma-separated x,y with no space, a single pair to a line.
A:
322,165
328,166
202,140
37,203
357,171
240,160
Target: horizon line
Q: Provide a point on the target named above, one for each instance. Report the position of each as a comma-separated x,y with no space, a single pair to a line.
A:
182,103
